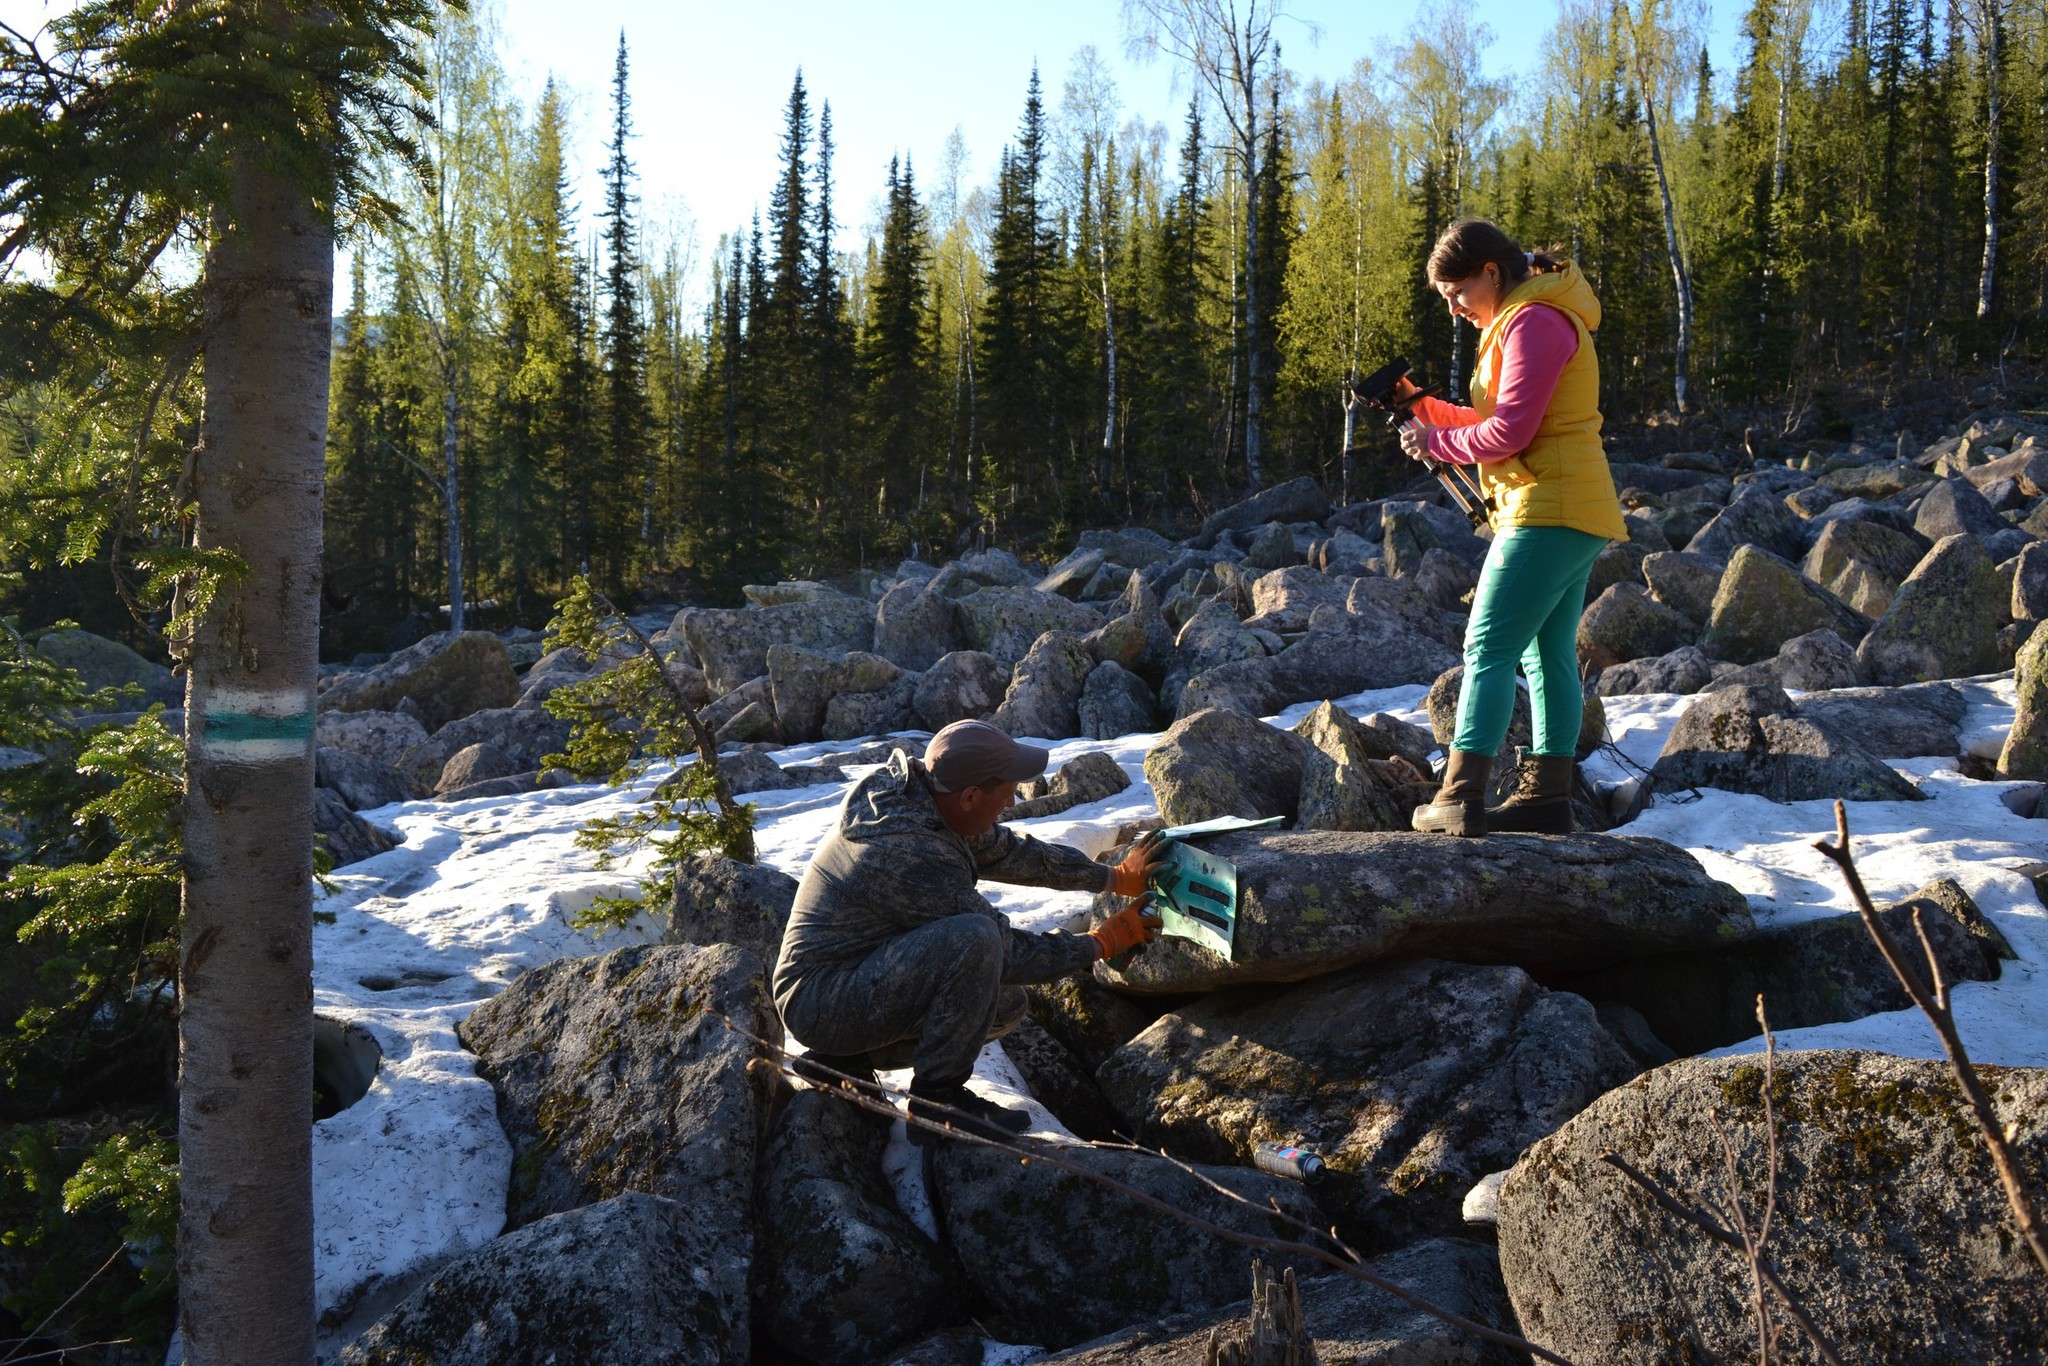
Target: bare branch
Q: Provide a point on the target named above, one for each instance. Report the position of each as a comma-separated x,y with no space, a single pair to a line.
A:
1935,1008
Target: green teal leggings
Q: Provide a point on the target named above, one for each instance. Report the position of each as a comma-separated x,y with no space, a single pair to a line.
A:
1526,611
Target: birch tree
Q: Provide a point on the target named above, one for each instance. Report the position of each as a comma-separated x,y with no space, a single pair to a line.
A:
1656,63
1228,46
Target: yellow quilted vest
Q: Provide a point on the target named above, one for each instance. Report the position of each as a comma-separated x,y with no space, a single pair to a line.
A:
1562,478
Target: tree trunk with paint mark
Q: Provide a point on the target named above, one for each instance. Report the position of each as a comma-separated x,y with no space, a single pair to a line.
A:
245,1054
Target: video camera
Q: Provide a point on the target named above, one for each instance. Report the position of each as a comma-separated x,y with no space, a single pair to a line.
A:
1380,390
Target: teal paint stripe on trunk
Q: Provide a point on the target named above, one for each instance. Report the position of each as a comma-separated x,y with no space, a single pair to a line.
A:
242,725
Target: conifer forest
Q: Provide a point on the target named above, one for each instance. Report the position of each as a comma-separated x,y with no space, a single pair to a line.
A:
1139,316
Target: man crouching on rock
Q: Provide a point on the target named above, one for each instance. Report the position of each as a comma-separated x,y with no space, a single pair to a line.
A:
890,955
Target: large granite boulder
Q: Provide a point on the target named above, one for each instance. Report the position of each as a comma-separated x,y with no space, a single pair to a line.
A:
1063,1260
852,715
965,685
718,900
616,1073
914,628
1114,702
628,1280
1348,1321
1085,778
1284,598
1343,652
1684,582
444,677
2025,753
347,837
102,663
1953,507
1748,739
1685,670
1321,901
1044,695
1626,623
1221,763
1880,1170
1893,723
731,643
1004,622
1817,660
804,681
1412,1080
1843,545
1754,516
361,781
384,736
1272,547
524,735
1943,623
1138,637
1814,972
1763,601
1213,636
482,762
844,1276
1350,780
2030,583
1297,500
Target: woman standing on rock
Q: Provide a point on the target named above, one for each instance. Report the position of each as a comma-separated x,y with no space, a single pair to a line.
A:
1533,436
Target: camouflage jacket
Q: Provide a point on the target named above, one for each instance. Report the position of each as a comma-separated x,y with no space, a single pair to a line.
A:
893,865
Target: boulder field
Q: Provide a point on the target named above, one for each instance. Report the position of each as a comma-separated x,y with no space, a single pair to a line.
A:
1459,1028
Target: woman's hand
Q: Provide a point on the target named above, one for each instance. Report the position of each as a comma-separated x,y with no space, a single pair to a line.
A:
1415,438
1404,389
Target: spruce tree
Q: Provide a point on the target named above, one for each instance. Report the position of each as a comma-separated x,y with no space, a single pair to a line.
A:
627,413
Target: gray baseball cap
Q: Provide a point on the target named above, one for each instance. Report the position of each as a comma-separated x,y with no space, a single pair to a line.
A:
974,753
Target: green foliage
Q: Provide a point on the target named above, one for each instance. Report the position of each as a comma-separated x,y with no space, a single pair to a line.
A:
91,887
623,722
89,1214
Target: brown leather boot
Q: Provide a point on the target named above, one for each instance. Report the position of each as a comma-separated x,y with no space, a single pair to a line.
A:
1460,804
1542,803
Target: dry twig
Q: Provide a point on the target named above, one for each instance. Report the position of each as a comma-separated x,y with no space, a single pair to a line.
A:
1749,1242
878,1099
1934,1004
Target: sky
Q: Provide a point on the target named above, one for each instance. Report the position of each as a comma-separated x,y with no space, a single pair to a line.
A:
708,82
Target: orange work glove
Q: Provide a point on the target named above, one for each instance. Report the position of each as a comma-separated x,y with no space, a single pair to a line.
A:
1133,876
1133,925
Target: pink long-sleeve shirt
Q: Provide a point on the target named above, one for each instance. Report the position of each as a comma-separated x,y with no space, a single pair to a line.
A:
1534,350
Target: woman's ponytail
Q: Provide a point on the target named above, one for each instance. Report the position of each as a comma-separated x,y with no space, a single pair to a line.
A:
1548,260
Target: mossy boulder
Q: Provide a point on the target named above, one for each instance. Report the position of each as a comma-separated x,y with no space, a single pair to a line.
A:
442,678
915,628
616,1073
1349,1322
2025,754
803,682
718,900
1213,636
1411,1080
1843,543
632,1279
1754,516
1764,601
1748,739
103,663
1313,902
732,643
1352,779
1684,582
1003,622
844,1275
1626,623
1044,696
1890,1225
1221,763
965,685
1062,1260
1944,621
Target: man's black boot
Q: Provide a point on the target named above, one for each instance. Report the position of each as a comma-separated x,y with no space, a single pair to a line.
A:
965,1111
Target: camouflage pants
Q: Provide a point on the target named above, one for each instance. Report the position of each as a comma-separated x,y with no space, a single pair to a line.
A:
928,1000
